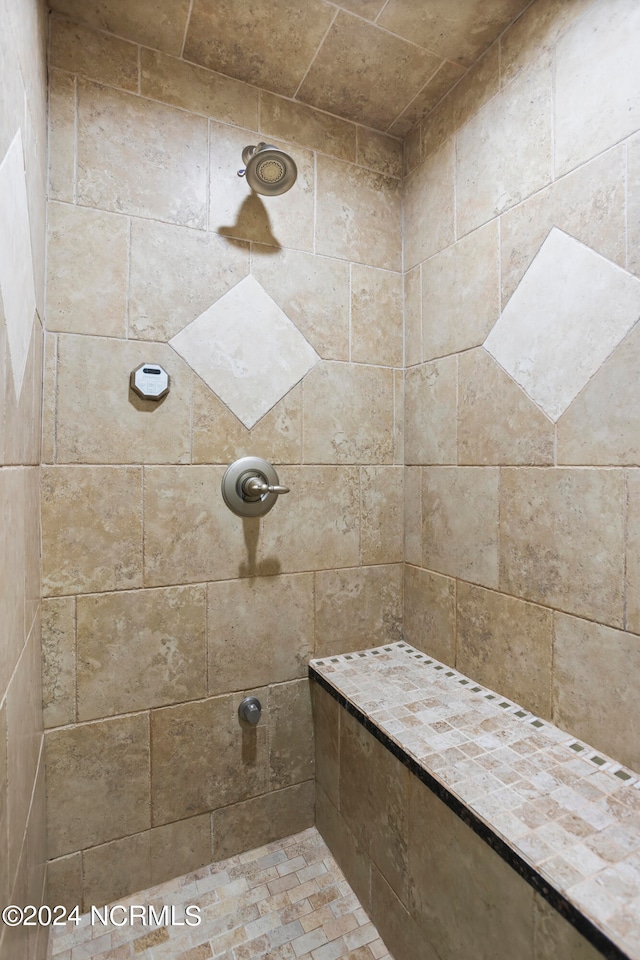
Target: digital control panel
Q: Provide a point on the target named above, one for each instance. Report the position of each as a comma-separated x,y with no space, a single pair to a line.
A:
150,381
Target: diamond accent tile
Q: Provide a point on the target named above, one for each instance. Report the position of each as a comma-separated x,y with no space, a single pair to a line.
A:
17,286
570,311
246,350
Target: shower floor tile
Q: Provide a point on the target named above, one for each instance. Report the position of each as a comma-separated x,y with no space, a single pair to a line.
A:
288,900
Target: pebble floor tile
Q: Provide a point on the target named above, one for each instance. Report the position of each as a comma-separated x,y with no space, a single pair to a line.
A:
288,900
571,812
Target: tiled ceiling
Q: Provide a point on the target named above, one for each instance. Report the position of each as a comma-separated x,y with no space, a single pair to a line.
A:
383,63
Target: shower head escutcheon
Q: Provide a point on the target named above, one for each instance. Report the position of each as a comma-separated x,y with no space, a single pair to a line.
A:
268,170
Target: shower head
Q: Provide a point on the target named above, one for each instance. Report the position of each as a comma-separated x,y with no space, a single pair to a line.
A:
269,171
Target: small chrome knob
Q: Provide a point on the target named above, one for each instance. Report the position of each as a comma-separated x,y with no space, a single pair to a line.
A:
250,710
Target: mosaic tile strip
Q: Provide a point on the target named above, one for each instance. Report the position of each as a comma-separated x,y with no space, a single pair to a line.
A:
288,900
565,816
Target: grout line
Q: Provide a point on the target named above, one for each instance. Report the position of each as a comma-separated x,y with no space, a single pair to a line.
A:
552,106
75,653
139,70
313,59
186,28
626,548
626,204
315,201
128,279
350,310
75,139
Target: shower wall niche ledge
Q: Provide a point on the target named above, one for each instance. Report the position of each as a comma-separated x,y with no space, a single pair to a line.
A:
562,815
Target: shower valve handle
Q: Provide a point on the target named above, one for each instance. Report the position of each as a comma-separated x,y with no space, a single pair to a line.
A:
255,487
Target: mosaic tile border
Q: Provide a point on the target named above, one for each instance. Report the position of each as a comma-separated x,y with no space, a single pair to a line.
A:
542,882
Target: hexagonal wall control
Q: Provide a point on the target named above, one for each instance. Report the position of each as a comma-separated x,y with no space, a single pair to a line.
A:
150,381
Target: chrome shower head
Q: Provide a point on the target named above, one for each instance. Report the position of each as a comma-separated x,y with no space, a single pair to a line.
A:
269,171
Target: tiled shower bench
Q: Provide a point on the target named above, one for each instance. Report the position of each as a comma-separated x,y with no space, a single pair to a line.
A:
468,827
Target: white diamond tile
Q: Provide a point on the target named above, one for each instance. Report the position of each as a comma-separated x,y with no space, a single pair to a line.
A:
569,312
247,350
17,286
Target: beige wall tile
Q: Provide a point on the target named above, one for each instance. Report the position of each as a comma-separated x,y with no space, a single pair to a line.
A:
555,937
91,529
394,69
633,204
87,271
589,204
176,274
348,414
323,499
593,686
458,885
460,522
365,601
12,571
395,924
381,538
50,362
326,729
374,801
596,79
97,782
236,211
22,417
5,878
519,118
227,761
155,24
497,422
358,215
214,28
431,412
413,515
461,293
291,755
430,613
95,56
601,426
516,663
219,437
62,136
114,870
426,99
633,551
429,206
398,416
412,148
121,427
140,157
550,517
379,152
59,661
305,126
190,536
24,739
535,32
461,41
64,881
198,90
249,641
313,292
413,316
351,855
33,539
475,89
140,649
179,848
245,826
376,316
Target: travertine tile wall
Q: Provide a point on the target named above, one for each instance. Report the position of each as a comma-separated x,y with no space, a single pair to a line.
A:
23,104
433,887
522,542
161,607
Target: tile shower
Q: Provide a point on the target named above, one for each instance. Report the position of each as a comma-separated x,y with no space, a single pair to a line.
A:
412,272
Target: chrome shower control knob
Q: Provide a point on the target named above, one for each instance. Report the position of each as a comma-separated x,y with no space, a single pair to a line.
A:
250,487
255,486
250,710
